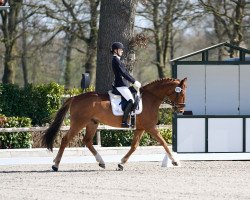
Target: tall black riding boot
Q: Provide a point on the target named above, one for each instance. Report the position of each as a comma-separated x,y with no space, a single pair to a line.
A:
126,113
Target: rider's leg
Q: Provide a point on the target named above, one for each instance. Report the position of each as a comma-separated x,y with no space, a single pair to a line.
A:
125,92
126,113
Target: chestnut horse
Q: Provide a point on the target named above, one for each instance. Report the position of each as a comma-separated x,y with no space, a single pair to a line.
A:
90,109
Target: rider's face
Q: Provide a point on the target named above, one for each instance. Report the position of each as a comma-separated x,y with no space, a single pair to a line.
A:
119,52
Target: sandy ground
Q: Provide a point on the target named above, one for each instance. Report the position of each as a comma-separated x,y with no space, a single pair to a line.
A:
140,180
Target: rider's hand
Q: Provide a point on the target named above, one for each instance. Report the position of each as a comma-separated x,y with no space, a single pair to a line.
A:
137,84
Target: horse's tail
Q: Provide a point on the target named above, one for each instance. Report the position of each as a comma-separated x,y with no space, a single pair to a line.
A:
50,134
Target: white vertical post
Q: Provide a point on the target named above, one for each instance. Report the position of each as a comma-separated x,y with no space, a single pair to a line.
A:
98,138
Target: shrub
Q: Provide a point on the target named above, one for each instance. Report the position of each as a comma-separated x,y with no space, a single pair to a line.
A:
77,91
116,138
165,116
36,102
16,139
167,135
111,138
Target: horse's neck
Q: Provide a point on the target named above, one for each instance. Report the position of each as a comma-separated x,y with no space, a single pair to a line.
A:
159,92
152,99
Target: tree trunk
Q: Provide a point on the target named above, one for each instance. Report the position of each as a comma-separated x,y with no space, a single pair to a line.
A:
9,73
9,28
237,36
91,62
116,24
162,18
167,30
24,51
219,34
67,73
90,65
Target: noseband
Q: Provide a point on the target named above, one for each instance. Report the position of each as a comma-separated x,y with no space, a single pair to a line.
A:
173,103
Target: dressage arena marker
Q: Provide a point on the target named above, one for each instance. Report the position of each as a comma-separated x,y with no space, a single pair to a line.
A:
166,162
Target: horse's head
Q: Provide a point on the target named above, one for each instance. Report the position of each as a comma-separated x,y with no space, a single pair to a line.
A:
172,91
177,95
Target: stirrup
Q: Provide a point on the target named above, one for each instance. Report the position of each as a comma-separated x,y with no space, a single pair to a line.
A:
125,125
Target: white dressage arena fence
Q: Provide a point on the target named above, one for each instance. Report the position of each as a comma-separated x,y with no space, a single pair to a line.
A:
110,154
79,154
66,128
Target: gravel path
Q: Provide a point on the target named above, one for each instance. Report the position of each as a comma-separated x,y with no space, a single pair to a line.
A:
140,180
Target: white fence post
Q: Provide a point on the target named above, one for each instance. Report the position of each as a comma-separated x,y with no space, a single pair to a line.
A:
98,138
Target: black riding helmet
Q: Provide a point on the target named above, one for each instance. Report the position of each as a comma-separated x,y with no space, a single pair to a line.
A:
116,45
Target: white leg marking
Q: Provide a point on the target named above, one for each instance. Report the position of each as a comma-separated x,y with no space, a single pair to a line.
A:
99,158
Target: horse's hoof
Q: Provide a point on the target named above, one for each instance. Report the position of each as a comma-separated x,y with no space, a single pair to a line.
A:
120,167
175,163
55,169
102,165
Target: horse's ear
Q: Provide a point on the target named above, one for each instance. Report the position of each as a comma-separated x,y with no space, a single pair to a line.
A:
183,81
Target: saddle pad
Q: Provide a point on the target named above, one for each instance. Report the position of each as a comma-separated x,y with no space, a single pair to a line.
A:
116,106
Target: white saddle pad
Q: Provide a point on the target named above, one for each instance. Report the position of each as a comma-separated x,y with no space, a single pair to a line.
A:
117,107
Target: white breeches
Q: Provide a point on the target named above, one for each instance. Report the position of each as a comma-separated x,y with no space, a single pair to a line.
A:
125,92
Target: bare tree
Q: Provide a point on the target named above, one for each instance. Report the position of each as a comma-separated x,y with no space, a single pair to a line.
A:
78,21
14,27
90,65
228,19
163,15
10,21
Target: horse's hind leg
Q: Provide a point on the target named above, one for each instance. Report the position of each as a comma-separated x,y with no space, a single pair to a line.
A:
88,141
155,133
65,141
135,143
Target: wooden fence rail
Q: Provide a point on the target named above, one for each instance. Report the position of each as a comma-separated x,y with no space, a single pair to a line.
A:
65,128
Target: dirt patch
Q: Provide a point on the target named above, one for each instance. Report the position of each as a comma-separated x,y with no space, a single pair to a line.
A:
140,180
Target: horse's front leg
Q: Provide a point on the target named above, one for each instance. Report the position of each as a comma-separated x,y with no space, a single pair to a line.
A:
155,133
88,141
135,143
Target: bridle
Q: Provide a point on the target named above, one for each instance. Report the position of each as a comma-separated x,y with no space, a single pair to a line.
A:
175,105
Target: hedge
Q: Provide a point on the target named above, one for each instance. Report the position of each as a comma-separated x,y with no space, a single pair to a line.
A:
36,102
116,138
16,139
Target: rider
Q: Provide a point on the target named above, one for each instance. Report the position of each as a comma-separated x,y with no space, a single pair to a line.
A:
122,77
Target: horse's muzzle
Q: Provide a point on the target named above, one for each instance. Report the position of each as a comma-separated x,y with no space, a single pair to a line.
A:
179,108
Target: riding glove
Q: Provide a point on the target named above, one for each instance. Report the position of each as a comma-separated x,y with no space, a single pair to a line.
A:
137,84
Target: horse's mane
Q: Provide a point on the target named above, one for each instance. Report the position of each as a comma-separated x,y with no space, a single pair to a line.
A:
158,81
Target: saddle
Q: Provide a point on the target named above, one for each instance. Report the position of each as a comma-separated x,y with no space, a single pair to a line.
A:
118,102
